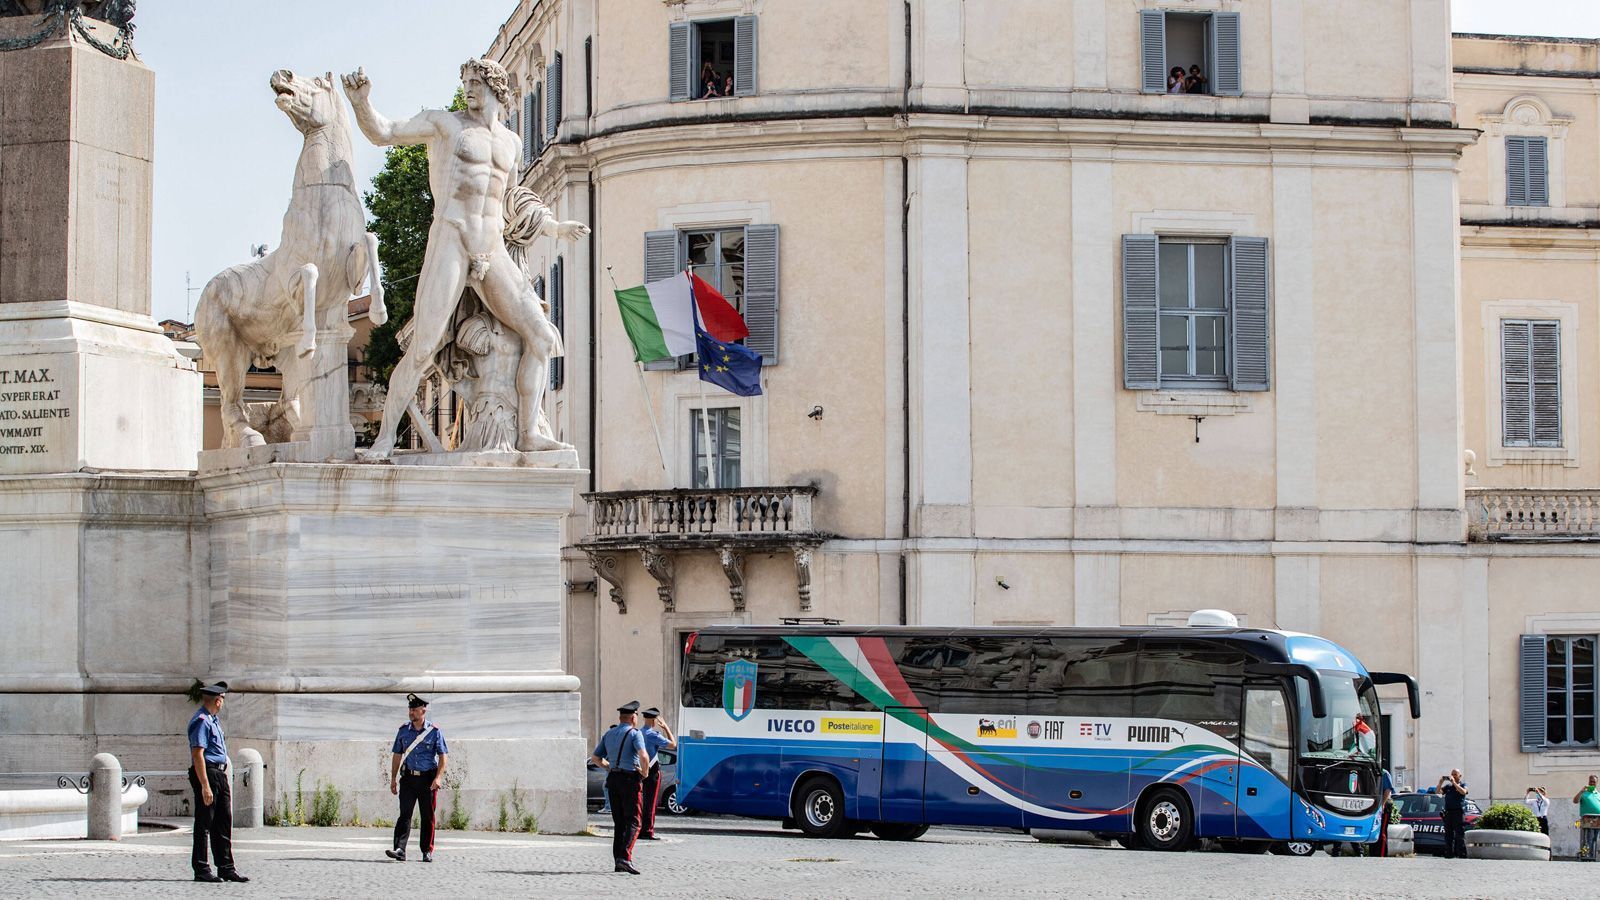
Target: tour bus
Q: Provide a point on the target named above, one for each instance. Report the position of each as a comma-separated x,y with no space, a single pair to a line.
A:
1156,736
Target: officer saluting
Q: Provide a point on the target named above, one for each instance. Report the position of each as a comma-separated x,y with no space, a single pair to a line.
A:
415,771
657,736
213,796
621,751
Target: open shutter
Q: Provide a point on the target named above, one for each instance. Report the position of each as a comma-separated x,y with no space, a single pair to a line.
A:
1140,288
1516,171
529,150
761,290
744,56
558,318
1250,321
536,119
552,99
678,62
1531,663
661,261
1538,171
1516,400
1153,50
1544,372
1225,68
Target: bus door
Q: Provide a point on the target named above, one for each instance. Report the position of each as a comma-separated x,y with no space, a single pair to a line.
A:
1264,796
904,763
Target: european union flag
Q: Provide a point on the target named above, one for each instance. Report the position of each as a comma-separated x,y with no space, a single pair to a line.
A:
731,367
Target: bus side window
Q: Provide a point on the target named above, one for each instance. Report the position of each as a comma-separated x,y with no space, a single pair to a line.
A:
920,661
986,675
1189,681
702,682
1266,729
1088,677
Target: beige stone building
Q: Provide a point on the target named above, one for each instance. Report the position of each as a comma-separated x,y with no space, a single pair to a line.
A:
1047,343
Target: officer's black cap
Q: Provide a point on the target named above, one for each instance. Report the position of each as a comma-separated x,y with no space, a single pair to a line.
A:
651,713
215,690
413,701
632,706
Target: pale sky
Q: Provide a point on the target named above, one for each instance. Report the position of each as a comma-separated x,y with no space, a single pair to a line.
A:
225,155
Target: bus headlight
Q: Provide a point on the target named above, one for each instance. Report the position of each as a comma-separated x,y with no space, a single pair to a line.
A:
1349,804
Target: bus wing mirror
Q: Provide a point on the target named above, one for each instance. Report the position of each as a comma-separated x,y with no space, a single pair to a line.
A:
1412,693
1319,700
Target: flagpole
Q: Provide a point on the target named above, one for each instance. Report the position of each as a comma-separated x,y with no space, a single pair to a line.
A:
712,474
649,405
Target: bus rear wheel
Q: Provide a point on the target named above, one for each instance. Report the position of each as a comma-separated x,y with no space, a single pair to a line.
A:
1166,821
898,831
819,808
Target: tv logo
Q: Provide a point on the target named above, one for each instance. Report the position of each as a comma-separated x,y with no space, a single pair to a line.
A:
1100,731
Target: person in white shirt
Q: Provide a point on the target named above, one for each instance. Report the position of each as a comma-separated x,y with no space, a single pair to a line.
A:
1538,800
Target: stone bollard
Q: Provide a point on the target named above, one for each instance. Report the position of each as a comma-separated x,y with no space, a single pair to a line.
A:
249,805
105,798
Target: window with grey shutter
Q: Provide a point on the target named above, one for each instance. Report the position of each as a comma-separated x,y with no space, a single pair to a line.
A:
552,99
529,150
1153,51
680,75
1249,317
558,318
761,290
744,56
536,119
1527,171
1531,664
1223,32
1569,690
661,260
1530,382
1140,290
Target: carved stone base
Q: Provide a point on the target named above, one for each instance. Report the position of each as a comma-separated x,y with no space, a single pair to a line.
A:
541,459
235,458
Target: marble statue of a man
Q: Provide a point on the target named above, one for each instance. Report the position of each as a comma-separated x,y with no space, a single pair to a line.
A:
472,163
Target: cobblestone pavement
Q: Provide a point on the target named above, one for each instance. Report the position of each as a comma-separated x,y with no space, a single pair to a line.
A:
745,860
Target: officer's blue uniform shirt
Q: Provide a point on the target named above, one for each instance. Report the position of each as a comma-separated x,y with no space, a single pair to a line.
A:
653,742
1387,784
621,746
205,732
426,757
1454,799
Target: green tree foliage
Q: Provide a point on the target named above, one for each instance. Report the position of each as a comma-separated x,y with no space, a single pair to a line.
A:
401,204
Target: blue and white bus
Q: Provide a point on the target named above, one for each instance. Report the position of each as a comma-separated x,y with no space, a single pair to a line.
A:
1157,735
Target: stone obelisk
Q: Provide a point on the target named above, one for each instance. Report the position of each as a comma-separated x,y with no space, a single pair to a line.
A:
99,415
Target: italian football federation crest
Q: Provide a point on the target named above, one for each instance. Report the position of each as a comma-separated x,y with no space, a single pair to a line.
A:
739,688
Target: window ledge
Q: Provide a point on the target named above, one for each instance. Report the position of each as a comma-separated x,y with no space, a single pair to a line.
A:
1563,759
1533,456
1195,402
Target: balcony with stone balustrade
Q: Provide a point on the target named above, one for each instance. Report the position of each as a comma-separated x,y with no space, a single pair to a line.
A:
1496,514
729,523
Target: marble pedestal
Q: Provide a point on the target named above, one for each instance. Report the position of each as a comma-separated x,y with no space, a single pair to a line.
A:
334,589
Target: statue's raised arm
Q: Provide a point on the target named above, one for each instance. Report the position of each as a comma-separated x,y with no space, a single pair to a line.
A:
379,130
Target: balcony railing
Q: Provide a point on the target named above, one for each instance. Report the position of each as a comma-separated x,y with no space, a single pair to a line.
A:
1510,514
709,512
726,522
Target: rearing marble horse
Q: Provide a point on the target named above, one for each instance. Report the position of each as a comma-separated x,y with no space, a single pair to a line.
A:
249,312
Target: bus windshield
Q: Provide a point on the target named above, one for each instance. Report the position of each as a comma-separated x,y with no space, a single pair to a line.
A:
1350,730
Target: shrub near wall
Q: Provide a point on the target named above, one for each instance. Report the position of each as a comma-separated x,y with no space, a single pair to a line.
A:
1508,831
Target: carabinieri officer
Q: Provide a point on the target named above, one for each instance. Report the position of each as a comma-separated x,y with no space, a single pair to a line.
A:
621,751
213,796
419,744
657,737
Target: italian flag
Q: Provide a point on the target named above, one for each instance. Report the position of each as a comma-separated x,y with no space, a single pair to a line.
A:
660,316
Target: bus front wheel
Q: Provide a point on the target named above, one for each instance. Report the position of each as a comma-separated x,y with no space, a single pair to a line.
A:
899,831
819,808
1166,821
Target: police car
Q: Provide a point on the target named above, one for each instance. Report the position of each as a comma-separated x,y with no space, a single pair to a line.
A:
1424,812
667,798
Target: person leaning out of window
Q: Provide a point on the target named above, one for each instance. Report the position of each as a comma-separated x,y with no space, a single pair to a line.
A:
1195,81
1176,82
710,84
